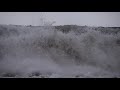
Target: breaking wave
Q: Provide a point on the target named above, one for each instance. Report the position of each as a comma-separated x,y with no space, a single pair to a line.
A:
25,50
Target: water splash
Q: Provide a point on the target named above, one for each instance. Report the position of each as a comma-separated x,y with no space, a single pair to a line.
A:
40,49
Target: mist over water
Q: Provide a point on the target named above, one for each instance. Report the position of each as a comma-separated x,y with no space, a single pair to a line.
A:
47,49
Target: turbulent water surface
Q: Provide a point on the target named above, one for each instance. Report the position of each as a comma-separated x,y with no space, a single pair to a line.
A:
59,52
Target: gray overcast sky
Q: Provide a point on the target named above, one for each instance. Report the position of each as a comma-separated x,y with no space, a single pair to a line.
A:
62,18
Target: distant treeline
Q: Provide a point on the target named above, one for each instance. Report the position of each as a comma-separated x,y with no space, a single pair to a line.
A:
14,29
82,29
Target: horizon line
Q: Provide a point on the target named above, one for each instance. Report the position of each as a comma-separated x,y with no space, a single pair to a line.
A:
58,25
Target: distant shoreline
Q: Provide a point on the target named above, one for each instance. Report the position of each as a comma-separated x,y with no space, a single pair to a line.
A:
60,25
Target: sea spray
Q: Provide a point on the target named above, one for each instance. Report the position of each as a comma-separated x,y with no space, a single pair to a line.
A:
47,49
